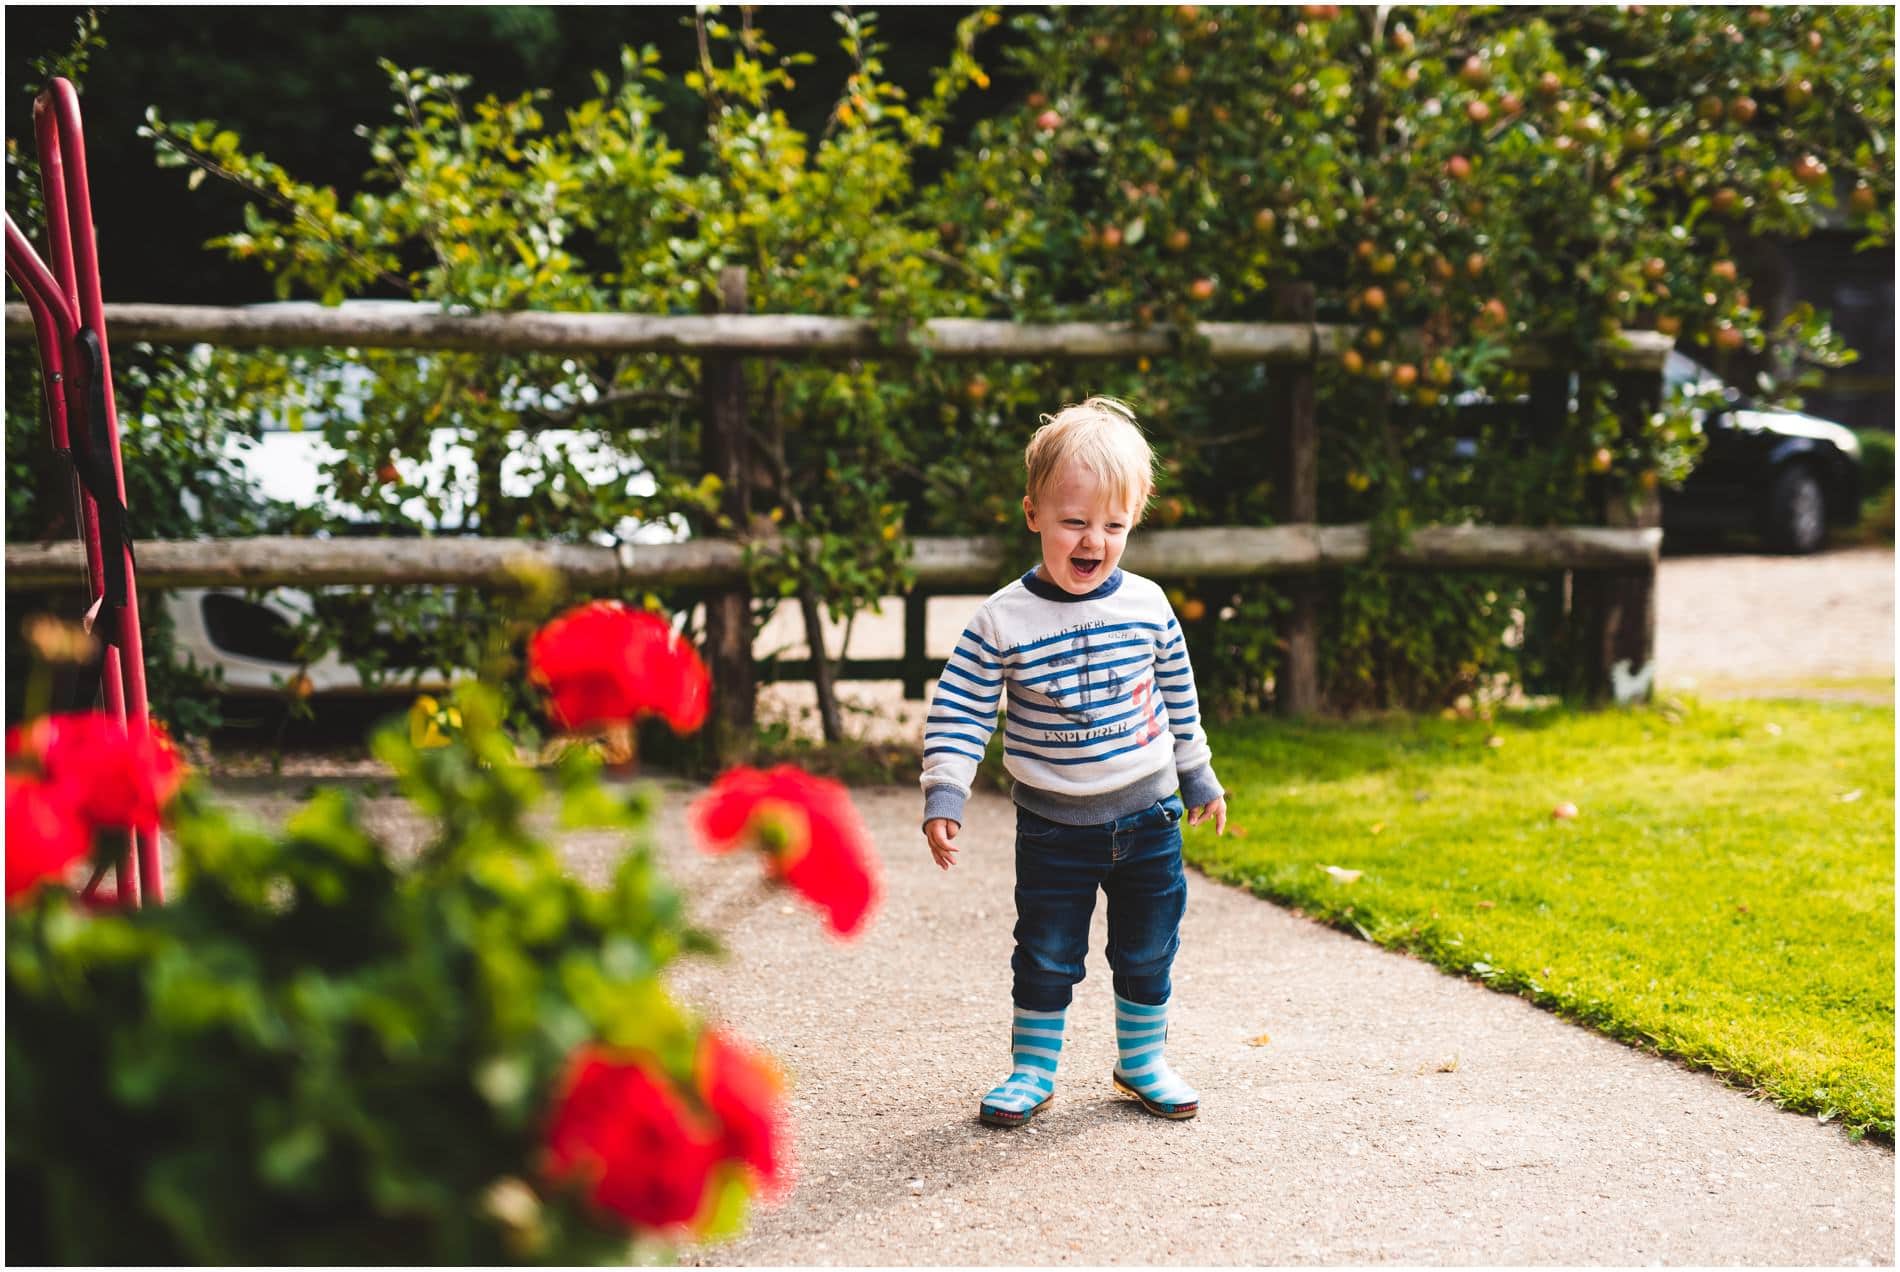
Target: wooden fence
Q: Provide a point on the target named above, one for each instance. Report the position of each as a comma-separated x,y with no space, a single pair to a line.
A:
1612,566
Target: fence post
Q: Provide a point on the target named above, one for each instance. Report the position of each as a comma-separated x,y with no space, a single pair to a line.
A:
725,450
1294,433
916,657
1616,609
1550,631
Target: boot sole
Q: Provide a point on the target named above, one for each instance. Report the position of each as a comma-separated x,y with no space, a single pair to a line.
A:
1010,1121
1173,1112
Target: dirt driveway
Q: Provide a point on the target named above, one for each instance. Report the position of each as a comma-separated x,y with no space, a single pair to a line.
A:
1820,625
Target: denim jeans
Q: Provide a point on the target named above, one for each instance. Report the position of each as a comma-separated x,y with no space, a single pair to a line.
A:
1136,860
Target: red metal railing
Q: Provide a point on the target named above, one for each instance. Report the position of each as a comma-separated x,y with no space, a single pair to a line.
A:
76,382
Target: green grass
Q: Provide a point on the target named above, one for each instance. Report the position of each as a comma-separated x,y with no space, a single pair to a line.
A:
1720,898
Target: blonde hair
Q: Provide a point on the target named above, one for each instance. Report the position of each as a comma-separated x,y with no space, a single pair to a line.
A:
1099,434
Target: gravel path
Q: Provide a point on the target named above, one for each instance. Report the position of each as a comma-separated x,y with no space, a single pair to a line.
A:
1358,1106
1735,625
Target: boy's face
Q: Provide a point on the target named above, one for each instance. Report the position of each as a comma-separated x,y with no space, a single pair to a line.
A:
1083,527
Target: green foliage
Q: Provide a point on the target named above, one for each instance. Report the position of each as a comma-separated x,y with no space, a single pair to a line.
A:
1724,894
1876,460
324,1051
491,205
1186,164
1876,474
1456,182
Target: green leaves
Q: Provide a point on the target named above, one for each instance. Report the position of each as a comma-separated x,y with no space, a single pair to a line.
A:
322,1050
1513,173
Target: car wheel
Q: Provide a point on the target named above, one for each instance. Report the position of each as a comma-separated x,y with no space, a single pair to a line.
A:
1797,510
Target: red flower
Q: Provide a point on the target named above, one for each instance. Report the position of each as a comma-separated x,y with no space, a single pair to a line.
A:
810,832
622,1128
44,834
604,661
741,1088
112,776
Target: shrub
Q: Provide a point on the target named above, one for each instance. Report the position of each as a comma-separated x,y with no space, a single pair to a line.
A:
325,1050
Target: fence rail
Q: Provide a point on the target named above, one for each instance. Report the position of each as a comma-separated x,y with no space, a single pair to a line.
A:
1610,617
939,563
781,335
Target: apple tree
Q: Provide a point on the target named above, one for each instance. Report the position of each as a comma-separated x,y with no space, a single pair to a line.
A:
1455,182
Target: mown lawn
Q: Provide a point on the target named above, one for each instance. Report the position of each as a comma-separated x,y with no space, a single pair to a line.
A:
1724,894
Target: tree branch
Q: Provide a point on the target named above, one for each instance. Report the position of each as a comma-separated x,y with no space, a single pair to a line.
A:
607,401
1222,439
303,218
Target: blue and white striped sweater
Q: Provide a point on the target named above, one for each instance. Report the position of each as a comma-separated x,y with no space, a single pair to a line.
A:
1098,694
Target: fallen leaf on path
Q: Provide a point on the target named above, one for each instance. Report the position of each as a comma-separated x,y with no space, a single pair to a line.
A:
1261,1041
1341,874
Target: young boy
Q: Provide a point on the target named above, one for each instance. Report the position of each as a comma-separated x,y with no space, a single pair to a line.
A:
1101,728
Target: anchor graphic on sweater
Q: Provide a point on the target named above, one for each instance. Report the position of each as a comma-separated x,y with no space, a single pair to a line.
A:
1098,686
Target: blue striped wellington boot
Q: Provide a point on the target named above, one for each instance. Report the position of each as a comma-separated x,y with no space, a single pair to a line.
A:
1142,1073
1036,1043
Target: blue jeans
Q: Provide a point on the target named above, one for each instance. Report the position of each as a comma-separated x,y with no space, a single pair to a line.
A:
1136,860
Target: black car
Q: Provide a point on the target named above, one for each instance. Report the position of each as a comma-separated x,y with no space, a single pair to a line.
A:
1785,475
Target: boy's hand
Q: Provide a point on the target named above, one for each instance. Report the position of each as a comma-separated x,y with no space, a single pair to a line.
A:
1217,809
940,831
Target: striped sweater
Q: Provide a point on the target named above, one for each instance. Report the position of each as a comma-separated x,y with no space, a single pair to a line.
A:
1100,717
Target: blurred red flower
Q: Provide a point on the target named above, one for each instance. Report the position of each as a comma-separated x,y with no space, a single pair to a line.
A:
44,834
623,1129
112,776
604,662
742,1089
809,830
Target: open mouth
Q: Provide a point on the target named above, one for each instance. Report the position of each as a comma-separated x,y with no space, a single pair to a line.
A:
1085,567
